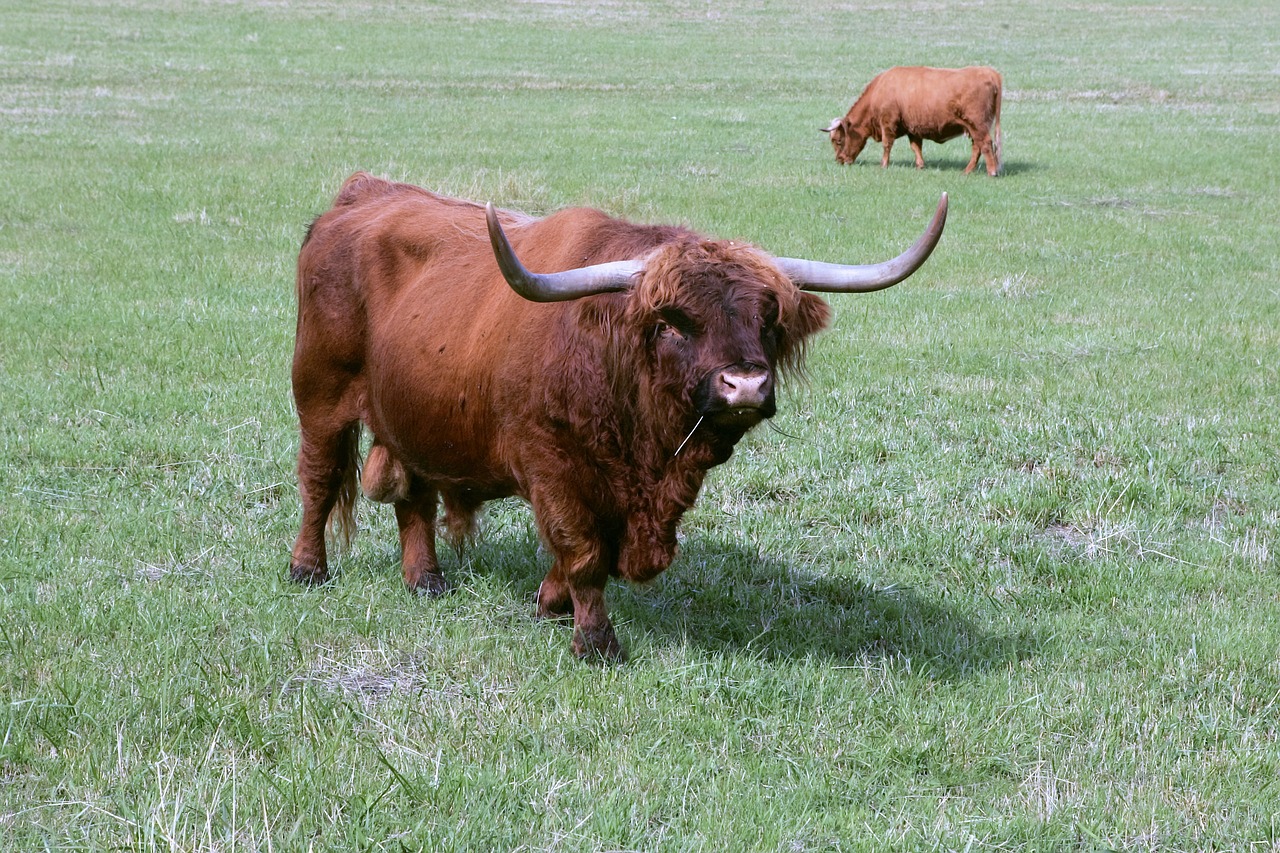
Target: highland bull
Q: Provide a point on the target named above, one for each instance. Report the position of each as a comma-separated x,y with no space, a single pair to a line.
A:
601,393
924,103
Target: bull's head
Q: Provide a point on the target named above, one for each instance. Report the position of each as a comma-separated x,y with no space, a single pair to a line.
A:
721,316
846,141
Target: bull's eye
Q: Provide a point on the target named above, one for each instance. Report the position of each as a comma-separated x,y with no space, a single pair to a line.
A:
674,325
667,331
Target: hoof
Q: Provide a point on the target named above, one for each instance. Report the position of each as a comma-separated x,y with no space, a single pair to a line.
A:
599,646
430,585
309,575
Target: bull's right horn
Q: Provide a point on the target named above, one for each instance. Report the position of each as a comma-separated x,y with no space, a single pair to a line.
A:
864,278
558,286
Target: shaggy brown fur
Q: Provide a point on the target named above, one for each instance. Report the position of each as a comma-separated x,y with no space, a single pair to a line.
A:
405,326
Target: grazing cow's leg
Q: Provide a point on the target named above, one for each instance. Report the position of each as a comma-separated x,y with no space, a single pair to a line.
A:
416,515
886,139
326,464
977,148
989,154
915,149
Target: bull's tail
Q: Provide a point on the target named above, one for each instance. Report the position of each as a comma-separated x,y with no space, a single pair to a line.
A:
342,519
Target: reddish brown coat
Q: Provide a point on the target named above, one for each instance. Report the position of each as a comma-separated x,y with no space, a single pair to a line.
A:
472,393
921,103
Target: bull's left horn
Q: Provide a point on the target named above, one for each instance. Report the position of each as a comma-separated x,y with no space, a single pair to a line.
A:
864,278
558,286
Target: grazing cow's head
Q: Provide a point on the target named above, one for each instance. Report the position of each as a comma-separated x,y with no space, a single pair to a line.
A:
845,139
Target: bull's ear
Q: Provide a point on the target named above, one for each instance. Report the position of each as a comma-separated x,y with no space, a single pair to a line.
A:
810,316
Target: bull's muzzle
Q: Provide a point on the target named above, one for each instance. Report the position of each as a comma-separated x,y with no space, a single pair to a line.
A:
738,395
744,389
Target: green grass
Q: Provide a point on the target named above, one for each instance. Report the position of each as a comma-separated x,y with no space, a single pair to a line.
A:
1003,577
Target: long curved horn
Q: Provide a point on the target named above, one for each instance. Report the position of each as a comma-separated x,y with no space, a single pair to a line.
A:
864,278
559,286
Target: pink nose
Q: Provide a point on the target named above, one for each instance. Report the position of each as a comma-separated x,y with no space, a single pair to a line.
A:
744,389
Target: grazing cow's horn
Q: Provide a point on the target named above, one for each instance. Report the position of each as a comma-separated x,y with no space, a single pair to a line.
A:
558,286
864,278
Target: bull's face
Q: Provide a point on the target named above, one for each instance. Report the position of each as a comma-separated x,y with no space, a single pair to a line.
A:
724,354
719,320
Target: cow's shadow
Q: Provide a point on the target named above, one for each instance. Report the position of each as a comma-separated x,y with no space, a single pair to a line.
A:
954,165
719,597
941,162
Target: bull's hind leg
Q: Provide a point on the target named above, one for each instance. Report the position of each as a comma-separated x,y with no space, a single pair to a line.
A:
416,516
327,462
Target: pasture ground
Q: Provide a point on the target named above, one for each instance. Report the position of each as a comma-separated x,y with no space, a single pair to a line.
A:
1003,577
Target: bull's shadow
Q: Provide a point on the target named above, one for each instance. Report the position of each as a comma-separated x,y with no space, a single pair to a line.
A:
722,598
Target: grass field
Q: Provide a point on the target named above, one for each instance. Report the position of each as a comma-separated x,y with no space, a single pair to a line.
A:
1003,577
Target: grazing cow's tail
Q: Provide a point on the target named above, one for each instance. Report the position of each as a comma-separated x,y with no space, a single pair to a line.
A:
342,519
996,140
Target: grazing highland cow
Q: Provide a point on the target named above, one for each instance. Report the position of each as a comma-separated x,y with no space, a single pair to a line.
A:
924,103
601,393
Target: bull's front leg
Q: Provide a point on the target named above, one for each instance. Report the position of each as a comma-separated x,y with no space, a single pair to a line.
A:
593,634
583,559
648,543
575,585
647,549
